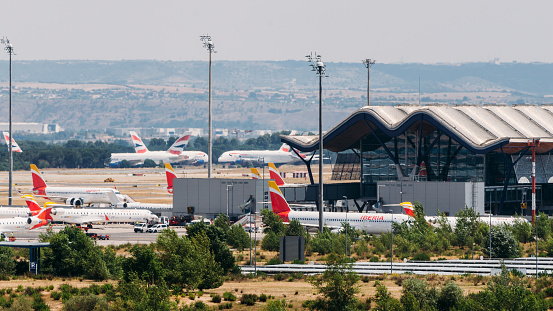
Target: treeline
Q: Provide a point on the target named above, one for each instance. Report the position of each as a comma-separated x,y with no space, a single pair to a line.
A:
78,154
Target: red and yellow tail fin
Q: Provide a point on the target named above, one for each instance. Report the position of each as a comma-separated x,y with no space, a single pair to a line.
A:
32,204
273,172
38,181
278,201
170,173
255,173
408,207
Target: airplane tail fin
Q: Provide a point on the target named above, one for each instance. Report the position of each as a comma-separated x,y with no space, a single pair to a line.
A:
255,173
408,208
139,146
15,146
32,204
44,218
284,148
38,181
277,199
179,144
170,173
275,175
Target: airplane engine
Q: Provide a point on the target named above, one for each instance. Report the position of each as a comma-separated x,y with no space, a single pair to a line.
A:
75,201
29,220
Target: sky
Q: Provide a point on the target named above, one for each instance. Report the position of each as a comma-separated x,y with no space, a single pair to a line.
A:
391,31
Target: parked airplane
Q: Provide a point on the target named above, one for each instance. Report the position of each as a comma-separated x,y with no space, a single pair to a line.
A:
9,212
94,215
175,154
25,223
170,173
274,174
70,195
125,203
372,223
15,146
255,173
281,156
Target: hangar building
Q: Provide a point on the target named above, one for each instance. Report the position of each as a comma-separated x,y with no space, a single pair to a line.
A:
446,157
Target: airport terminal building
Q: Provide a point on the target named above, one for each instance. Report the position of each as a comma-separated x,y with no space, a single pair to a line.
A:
445,157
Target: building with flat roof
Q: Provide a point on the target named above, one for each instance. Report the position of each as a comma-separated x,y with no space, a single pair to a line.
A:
389,150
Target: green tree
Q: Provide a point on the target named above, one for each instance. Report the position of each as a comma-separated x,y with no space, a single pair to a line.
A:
466,226
337,285
238,238
85,303
272,222
7,261
124,164
504,244
424,296
144,264
149,163
522,230
543,226
384,300
271,242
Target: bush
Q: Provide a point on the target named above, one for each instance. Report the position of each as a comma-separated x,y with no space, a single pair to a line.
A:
274,261
227,305
216,298
229,296
278,305
421,257
85,303
248,299
55,295
262,297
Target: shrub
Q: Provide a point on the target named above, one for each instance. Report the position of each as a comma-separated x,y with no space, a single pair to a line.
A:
504,244
227,305
262,297
85,303
271,242
280,305
421,257
216,299
229,296
274,261
248,299
55,295
238,238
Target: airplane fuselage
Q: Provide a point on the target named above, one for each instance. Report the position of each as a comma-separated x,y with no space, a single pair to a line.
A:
94,215
10,212
190,157
88,195
372,223
277,157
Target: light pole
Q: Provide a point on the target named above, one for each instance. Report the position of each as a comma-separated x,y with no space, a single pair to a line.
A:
208,44
346,200
228,189
472,252
392,245
318,66
9,48
368,63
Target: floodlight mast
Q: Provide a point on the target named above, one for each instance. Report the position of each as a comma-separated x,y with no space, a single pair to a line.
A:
368,63
9,48
208,44
319,67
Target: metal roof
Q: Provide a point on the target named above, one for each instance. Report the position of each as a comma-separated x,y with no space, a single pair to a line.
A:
480,129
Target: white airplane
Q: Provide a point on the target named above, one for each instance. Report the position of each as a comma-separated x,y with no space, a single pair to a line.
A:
495,220
372,223
93,215
255,173
175,154
25,223
10,212
125,203
15,146
281,156
75,196
170,174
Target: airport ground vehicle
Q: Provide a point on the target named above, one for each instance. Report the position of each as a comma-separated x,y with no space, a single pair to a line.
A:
96,236
157,228
141,227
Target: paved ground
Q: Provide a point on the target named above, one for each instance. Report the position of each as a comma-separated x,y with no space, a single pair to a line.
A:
119,234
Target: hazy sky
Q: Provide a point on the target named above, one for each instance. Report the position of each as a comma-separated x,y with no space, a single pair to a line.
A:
341,31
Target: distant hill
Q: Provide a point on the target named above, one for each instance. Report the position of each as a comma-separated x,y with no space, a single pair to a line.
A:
250,94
